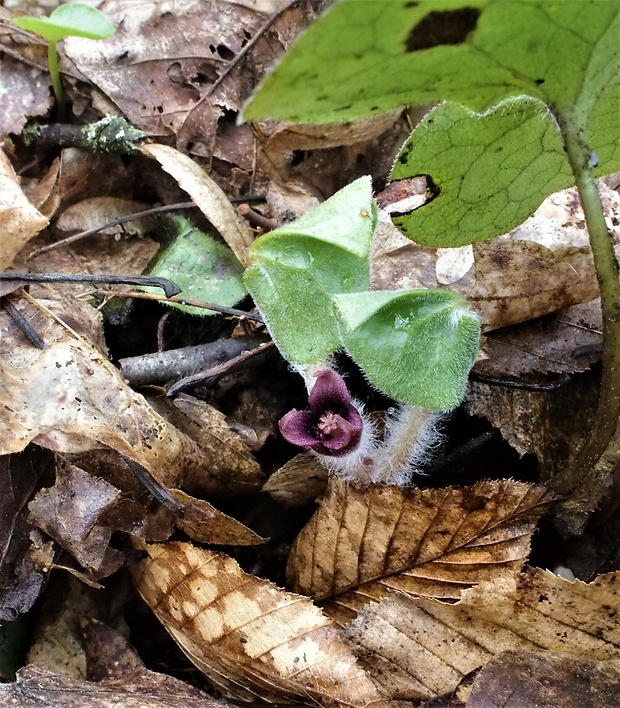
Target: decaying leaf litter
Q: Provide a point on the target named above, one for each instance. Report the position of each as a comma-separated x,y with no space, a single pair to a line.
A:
378,593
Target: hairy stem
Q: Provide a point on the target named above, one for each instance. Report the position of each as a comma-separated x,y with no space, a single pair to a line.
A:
409,437
608,276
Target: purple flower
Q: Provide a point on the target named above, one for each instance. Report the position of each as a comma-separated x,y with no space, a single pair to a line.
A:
331,425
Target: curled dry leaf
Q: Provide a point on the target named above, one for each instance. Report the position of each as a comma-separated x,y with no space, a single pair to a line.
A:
207,196
365,541
19,220
253,640
420,648
299,481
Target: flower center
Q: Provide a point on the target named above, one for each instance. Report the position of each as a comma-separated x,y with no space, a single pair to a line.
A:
328,425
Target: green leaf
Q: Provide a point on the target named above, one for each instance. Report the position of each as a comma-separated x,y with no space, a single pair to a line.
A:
491,170
417,346
70,20
204,269
364,57
294,270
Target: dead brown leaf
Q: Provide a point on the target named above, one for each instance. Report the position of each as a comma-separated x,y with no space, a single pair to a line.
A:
299,481
24,87
19,220
550,424
71,511
421,648
123,682
569,341
521,678
20,580
365,541
250,638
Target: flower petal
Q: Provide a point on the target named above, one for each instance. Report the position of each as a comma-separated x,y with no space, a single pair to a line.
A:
298,427
329,393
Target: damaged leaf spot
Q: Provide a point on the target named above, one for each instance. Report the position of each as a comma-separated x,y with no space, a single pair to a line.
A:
443,27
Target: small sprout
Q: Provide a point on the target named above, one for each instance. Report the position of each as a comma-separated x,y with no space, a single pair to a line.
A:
71,20
331,425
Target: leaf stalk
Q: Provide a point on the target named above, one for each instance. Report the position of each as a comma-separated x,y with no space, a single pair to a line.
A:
608,275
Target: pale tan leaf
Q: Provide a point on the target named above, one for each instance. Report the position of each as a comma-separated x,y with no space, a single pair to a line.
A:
364,541
543,678
419,647
19,220
206,194
300,481
93,212
250,638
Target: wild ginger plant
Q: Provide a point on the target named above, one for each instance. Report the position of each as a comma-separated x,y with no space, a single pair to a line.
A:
531,105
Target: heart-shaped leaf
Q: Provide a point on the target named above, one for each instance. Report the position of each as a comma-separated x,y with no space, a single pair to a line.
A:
294,271
491,170
417,346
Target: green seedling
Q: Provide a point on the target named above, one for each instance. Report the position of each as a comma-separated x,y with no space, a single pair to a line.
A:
71,20
532,93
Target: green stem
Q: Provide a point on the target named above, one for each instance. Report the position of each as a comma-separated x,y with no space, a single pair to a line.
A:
608,276
52,61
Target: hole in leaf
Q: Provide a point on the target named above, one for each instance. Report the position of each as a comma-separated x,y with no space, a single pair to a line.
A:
443,27
226,53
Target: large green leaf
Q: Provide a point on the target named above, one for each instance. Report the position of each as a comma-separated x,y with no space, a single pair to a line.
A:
293,271
417,346
490,170
367,56
205,269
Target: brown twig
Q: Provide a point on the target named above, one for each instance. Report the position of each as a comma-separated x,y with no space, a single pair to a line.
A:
166,285
18,317
231,311
219,370
115,222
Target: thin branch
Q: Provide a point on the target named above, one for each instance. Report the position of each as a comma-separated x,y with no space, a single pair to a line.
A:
166,285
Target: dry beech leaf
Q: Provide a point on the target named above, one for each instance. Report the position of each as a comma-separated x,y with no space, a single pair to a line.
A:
207,196
19,220
252,640
299,481
364,541
70,398
520,678
420,648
